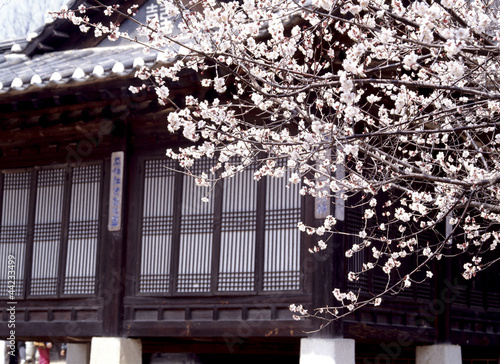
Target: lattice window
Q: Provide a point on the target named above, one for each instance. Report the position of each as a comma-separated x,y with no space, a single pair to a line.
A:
196,235
83,230
190,246
156,247
354,223
14,228
239,219
355,264
61,206
282,238
47,237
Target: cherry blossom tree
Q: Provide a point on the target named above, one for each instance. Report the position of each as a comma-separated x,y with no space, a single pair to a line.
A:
392,104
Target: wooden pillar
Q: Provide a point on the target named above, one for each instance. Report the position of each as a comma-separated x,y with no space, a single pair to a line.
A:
329,273
112,278
111,282
443,296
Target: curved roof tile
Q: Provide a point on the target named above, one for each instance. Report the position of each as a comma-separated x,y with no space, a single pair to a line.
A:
17,70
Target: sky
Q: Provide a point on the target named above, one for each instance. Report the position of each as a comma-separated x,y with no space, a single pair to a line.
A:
20,17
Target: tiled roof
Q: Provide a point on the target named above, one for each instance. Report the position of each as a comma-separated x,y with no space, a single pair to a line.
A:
62,34
7,46
61,54
20,72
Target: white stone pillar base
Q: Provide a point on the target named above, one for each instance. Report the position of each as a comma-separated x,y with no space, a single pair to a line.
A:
439,354
327,351
115,350
4,359
78,354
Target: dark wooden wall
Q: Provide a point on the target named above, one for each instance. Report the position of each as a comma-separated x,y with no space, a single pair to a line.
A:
246,308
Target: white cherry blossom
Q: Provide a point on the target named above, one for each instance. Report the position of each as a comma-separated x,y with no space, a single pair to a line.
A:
393,110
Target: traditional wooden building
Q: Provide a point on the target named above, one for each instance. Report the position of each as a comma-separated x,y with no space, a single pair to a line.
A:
111,250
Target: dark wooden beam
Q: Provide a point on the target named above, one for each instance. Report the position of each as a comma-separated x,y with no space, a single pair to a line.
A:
52,331
59,34
364,332
223,345
207,329
45,48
